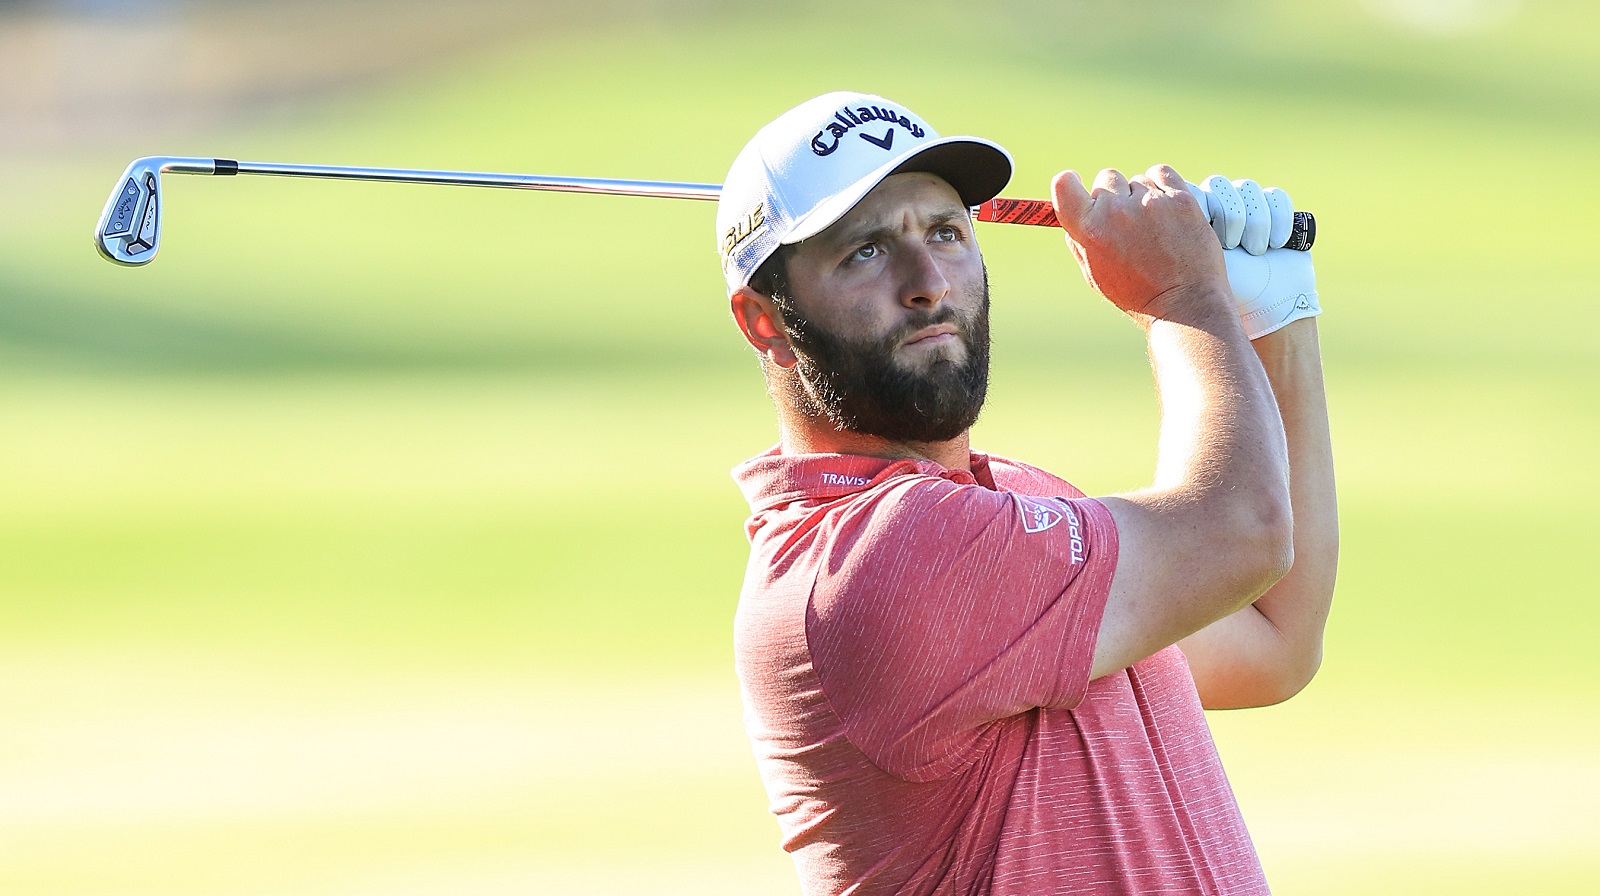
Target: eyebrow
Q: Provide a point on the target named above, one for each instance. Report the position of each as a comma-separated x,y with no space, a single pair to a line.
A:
870,233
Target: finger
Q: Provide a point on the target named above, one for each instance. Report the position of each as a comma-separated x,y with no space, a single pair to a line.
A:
1282,209
1072,201
1257,217
1166,177
1225,209
1110,180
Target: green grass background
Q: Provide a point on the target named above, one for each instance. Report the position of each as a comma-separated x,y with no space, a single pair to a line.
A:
380,539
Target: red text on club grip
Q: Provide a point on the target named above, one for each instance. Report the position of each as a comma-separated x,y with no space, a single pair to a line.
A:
1040,213
1019,211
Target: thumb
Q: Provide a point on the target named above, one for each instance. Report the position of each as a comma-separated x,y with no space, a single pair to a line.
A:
1072,201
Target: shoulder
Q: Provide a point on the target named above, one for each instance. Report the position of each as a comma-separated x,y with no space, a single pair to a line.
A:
1016,476
922,510
924,541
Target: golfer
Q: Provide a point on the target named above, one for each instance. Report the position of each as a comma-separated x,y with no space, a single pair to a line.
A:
960,674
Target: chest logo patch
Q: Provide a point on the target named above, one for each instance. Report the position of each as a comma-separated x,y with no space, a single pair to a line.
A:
1037,516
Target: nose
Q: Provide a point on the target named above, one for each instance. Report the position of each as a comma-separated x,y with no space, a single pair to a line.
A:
923,284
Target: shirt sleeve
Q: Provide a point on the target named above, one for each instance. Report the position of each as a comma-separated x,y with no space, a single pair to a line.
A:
943,607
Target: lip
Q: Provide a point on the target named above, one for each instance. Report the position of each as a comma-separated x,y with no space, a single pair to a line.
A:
934,335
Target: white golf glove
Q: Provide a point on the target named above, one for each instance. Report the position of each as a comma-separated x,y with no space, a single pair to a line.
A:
1272,286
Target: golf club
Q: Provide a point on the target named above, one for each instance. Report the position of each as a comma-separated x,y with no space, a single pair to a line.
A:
129,231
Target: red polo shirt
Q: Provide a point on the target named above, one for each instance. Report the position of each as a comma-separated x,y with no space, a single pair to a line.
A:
914,644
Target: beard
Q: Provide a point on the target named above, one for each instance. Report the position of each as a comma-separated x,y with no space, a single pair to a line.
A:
860,386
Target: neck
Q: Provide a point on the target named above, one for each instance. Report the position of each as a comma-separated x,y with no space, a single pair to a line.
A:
811,435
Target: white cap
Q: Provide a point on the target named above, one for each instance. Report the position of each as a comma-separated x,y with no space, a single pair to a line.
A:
812,164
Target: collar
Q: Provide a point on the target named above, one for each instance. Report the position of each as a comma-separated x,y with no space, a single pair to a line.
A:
772,479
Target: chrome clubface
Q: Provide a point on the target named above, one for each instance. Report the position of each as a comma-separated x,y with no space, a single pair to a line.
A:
129,231
132,226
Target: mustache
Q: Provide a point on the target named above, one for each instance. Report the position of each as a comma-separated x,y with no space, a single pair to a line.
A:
924,319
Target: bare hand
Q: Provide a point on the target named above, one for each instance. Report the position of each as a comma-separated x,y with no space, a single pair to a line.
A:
1143,243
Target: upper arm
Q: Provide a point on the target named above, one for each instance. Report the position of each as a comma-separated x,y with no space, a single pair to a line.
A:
1182,566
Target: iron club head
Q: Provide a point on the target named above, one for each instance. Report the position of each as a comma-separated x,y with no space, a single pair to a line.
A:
129,230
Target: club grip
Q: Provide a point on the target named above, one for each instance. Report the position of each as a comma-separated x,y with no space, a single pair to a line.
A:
1040,213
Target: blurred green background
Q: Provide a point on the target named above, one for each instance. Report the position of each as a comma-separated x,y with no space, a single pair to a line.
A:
379,539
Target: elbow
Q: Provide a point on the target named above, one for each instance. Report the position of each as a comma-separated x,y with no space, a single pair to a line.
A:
1307,671
1295,677
1267,539
1279,554
1267,679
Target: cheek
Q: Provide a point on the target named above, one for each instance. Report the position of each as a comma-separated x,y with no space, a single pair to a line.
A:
972,270
967,294
851,311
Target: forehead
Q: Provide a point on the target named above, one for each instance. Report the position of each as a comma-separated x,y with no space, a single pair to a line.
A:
910,198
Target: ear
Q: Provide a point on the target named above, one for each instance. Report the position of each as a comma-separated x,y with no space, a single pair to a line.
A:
759,321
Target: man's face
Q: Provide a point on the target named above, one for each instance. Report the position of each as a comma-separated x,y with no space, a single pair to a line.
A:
890,317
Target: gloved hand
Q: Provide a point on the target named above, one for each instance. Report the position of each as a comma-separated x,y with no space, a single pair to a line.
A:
1272,286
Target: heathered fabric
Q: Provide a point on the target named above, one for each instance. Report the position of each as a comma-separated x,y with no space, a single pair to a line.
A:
913,646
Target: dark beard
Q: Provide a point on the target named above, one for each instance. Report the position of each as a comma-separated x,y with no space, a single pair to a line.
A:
858,387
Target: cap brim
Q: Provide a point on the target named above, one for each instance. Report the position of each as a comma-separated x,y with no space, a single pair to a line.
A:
976,168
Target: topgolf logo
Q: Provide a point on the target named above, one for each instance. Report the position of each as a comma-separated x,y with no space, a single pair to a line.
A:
1039,515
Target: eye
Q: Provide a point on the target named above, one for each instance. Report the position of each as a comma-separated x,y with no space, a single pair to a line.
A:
870,250
946,234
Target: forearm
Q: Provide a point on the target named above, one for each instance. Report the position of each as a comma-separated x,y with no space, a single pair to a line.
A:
1297,606
1219,429
1211,534
1268,651
1213,531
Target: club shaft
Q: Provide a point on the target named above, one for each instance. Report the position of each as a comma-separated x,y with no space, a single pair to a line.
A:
1036,212
658,189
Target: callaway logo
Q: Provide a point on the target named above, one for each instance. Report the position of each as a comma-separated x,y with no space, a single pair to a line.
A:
827,140
1040,515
